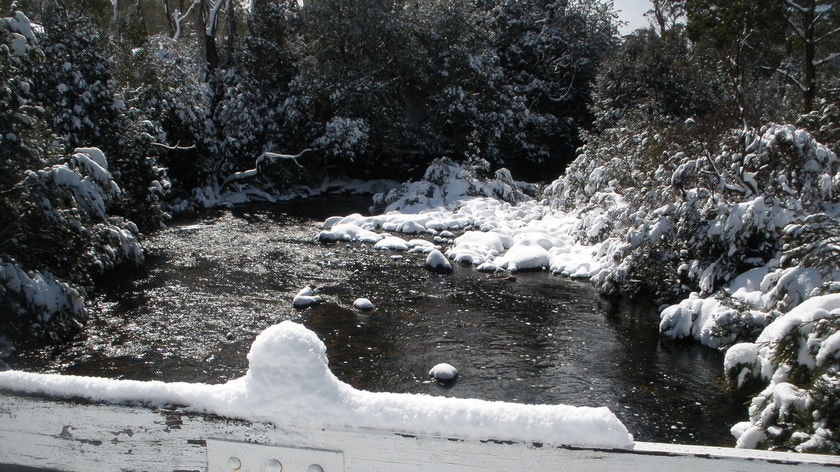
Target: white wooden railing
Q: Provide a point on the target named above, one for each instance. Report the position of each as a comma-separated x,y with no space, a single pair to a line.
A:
303,419
84,436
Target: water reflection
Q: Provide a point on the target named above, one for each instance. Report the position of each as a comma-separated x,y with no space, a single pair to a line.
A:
212,284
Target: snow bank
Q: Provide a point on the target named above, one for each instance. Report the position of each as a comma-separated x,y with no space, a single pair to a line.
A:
348,232
495,235
288,382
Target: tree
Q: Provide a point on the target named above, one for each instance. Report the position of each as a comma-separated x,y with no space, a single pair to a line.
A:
549,52
659,76
665,14
748,35
813,22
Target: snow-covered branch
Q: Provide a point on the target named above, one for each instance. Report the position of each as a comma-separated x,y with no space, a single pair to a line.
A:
796,28
793,79
212,21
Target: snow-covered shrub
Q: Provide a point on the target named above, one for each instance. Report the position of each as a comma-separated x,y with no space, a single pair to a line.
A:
20,115
798,357
73,80
37,302
165,82
447,183
74,83
691,216
61,235
344,138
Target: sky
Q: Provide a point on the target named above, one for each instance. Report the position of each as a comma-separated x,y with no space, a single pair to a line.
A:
632,11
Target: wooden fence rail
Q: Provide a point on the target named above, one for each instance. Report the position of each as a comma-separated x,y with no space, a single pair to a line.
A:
65,435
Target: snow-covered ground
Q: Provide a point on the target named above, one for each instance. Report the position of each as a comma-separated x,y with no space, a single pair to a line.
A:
289,382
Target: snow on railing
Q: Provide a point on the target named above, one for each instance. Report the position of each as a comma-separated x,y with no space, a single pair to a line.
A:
289,383
290,413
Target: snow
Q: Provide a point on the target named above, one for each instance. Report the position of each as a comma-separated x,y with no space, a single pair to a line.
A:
306,297
289,383
19,23
392,243
437,262
348,232
19,46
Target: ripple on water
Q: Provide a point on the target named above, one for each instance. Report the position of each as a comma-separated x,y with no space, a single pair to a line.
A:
211,285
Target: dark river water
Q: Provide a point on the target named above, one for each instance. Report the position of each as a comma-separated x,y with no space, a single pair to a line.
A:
212,284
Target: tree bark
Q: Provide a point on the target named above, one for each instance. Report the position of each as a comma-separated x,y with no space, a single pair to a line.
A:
810,40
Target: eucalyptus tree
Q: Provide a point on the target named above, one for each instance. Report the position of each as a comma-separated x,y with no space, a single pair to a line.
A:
748,36
815,23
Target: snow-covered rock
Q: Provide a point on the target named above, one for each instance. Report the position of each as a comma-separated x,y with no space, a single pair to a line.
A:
306,297
444,373
437,262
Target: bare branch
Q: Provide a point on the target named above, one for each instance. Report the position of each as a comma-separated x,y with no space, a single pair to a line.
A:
825,36
175,147
826,59
796,5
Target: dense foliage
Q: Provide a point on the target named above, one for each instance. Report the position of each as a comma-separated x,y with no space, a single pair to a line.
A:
68,211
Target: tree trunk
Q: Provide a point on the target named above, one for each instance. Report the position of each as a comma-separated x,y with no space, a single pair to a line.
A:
211,53
810,40
231,28
169,23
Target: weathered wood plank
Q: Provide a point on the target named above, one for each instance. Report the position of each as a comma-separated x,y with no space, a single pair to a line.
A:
83,436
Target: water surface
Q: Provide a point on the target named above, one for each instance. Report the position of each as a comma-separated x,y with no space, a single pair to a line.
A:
212,284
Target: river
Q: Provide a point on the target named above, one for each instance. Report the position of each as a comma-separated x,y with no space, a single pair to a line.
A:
211,284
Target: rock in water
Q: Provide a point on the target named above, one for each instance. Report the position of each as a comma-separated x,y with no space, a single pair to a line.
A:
437,262
363,304
306,297
444,373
